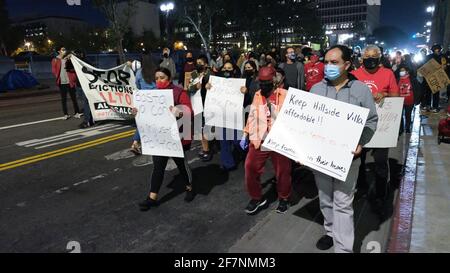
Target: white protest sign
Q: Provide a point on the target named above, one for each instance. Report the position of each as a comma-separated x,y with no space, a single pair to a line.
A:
197,103
389,118
224,103
156,124
317,131
109,92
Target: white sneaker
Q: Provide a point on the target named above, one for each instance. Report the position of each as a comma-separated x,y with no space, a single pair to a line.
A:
78,115
66,117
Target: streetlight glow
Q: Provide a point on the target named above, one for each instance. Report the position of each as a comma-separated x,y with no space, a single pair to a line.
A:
167,7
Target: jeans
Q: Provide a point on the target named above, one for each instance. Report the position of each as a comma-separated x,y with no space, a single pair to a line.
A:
64,89
228,142
86,110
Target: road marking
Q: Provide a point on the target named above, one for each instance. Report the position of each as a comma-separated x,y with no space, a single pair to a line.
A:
30,123
70,136
63,151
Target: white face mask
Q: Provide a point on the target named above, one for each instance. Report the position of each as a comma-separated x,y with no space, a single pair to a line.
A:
403,73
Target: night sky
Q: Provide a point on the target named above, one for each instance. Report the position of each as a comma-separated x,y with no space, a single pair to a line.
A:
408,15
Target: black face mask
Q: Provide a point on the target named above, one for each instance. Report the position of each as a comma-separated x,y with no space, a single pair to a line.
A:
200,68
189,60
226,74
371,63
266,88
165,55
249,73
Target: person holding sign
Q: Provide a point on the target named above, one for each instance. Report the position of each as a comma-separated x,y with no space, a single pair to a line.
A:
229,137
145,80
336,197
430,100
181,100
200,77
263,111
382,83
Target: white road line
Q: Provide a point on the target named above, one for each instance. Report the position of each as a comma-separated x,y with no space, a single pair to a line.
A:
65,135
30,123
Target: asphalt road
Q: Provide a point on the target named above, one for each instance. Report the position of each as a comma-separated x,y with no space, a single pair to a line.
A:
60,184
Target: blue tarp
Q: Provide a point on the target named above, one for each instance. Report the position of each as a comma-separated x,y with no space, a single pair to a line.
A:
16,79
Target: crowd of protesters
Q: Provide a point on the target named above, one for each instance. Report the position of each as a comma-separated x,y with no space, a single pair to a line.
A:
363,79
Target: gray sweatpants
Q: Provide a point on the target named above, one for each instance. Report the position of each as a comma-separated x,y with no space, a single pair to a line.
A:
336,204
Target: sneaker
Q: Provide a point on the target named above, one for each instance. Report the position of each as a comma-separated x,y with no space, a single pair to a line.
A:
435,111
84,125
66,117
190,195
147,204
254,206
283,206
136,149
201,154
325,243
78,115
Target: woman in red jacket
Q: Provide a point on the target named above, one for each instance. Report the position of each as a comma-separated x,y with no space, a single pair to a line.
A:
163,79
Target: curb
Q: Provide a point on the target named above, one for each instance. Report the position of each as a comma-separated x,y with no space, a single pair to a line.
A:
401,229
11,96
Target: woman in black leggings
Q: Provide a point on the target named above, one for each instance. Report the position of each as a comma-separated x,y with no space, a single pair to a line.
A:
163,81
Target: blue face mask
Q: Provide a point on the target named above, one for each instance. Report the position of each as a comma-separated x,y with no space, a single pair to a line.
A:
332,72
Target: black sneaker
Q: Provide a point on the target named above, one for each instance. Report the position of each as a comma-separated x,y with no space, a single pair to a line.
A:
254,206
148,203
84,125
282,206
190,195
325,243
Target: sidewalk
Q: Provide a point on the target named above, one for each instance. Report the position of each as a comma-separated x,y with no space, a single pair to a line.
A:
431,220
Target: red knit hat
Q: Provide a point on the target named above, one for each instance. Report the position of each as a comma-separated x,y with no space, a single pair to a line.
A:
267,74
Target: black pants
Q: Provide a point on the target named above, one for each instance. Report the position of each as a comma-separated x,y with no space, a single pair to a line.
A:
64,89
159,168
406,120
381,157
430,99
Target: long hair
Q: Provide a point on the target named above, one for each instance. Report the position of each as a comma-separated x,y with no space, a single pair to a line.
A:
148,69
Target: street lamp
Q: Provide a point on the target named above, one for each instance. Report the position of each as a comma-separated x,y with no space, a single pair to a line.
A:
430,9
167,8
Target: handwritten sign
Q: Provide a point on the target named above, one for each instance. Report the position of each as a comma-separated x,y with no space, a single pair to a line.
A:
156,124
224,103
319,132
109,92
435,75
197,103
389,118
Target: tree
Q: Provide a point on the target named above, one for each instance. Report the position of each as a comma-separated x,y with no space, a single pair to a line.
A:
118,13
203,16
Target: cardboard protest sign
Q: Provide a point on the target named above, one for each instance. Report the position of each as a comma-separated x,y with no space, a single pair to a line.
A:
435,75
156,124
317,131
389,118
224,103
109,92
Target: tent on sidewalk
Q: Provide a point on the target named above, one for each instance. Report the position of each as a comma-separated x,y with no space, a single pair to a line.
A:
16,79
